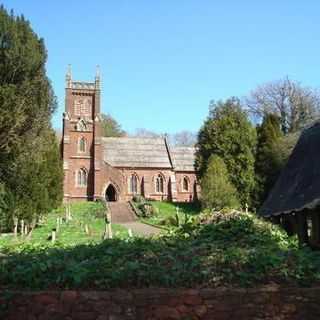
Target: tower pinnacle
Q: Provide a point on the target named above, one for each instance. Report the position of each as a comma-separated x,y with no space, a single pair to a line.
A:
68,77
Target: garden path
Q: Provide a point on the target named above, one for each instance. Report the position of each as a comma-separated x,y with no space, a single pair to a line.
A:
141,229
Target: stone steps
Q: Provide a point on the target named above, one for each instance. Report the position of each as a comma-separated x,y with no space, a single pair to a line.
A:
121,212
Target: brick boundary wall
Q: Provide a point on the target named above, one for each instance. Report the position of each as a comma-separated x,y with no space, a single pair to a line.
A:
269,302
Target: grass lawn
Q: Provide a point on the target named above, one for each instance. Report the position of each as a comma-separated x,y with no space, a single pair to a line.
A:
73,232
165,212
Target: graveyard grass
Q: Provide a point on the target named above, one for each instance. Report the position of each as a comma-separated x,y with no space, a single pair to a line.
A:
70,233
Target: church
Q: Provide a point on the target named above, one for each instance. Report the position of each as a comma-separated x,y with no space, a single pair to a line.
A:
117,169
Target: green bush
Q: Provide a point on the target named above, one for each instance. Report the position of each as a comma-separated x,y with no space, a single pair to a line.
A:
234,249
217,192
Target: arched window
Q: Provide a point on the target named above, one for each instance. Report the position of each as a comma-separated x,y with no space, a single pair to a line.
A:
82,145
185,184
134,184
159,183
82,177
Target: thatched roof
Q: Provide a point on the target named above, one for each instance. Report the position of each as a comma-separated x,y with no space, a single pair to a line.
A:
183,158
147,153
298,186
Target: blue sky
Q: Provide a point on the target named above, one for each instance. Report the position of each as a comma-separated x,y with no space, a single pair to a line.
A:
163,61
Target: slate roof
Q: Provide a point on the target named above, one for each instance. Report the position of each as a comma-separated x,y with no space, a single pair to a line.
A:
136,152
298,186
146,153
183,158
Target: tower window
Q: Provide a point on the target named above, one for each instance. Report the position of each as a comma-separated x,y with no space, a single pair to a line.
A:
81,125
82,177
159,183
133,184
185,184
82,145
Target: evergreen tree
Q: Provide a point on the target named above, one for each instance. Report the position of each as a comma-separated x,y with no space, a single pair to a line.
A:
217,192
268,161
228,133
30,166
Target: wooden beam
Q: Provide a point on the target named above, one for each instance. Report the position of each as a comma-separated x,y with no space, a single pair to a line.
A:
315,228
302,227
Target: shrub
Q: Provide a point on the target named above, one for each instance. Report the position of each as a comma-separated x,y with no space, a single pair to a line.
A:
217,192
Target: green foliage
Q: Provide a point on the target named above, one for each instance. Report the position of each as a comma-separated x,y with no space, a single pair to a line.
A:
229,134
217,191
268,163
110,127
30,166
167,214
234,249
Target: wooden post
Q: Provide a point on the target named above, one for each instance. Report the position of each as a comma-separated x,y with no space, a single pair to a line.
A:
315,227
86,229
53,235
302,227
130,233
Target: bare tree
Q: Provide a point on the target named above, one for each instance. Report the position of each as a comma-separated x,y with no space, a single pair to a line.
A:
183,138
294,104
145,133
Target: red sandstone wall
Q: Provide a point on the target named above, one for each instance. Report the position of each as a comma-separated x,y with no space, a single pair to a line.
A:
163,304
182,195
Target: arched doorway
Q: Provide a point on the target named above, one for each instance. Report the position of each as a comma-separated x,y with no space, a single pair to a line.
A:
111,193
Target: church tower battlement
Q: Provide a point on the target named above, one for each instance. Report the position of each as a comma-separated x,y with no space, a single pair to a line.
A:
81,144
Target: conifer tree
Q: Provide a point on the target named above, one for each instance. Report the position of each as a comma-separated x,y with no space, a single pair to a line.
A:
228,133
268,160
217,192
30,166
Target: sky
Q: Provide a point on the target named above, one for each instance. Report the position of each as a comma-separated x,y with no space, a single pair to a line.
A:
163,61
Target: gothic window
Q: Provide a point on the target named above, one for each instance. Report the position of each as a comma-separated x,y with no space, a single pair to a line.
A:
159,183
185,184
82,177
82,145
134,184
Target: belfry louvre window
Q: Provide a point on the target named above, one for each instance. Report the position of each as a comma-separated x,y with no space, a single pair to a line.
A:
133,184
82,145
82,177
159,184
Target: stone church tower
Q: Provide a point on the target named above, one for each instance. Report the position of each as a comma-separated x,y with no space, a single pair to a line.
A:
81,145
118,168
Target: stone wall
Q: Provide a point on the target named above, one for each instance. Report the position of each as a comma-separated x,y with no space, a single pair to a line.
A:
269,302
